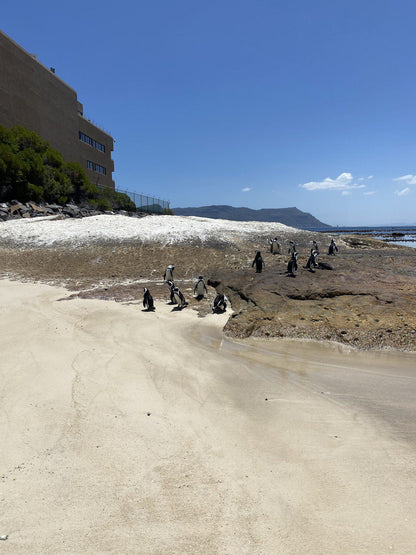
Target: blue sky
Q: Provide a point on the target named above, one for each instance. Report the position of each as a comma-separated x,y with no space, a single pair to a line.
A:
258,103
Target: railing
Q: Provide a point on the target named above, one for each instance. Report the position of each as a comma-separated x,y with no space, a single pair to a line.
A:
90,120
146,203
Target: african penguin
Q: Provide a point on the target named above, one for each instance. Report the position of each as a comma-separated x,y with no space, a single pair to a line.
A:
200,288
259,262
332,249
168,275
148,300
292,265
179,298
220,303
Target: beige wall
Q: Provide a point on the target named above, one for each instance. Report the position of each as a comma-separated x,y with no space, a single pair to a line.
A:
87,152
34,97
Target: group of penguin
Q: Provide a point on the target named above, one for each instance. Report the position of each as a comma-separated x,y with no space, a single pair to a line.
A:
220,302
176,296
292,265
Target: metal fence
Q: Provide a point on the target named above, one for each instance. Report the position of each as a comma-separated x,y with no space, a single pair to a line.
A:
146,203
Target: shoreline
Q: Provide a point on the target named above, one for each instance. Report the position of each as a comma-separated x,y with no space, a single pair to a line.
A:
96,293
364,303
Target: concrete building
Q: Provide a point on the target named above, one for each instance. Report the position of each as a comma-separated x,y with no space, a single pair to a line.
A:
32,95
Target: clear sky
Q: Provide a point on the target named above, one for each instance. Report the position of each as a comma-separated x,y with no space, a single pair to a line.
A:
258,103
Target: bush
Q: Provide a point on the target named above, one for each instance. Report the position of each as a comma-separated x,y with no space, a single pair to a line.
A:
35,192
57,186
123,202
82,186
100,204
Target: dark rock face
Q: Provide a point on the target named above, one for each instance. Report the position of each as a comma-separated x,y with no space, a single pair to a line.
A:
364,301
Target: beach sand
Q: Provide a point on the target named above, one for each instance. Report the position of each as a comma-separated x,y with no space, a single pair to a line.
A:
131,432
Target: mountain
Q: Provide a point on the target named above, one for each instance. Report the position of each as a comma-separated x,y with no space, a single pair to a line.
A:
289,216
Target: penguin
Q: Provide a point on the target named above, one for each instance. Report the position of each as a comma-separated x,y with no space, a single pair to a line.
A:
179,298
315,247
292,248
200,288
220,304
168,275
171,286
332,249
148,300
311,263
259,262
274,246
292,265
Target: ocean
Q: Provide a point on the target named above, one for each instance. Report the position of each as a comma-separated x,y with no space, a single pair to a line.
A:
397,235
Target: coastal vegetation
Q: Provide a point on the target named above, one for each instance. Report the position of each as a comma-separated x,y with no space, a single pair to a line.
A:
30,170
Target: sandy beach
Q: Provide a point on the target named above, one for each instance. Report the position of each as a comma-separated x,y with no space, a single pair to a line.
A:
131,432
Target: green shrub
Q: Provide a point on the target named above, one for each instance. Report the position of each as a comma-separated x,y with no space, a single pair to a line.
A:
100,204
35,192
82,186
57,186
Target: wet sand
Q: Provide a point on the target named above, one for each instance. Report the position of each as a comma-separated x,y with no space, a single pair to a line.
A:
380,384
132,432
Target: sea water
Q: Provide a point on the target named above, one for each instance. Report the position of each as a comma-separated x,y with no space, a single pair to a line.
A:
397,235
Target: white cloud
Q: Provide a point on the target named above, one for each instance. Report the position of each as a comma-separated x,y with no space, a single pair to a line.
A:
246,189
404,191
345,193
370,177
342,183
361,179
408,179
369,193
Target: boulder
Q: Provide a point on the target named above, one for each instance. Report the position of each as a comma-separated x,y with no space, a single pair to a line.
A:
38,209
18,208
54,207
72,211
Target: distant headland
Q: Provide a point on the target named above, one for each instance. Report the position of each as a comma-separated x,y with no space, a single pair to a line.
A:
289,216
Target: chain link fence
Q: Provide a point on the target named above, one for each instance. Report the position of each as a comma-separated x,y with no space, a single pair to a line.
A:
146,203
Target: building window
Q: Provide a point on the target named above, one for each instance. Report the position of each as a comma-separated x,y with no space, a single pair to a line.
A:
100,169
99,146
85,139
92,142
96,167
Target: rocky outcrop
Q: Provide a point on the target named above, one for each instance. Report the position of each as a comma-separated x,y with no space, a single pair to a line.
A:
366,301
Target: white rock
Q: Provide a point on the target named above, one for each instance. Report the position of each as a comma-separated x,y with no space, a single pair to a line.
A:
165,230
